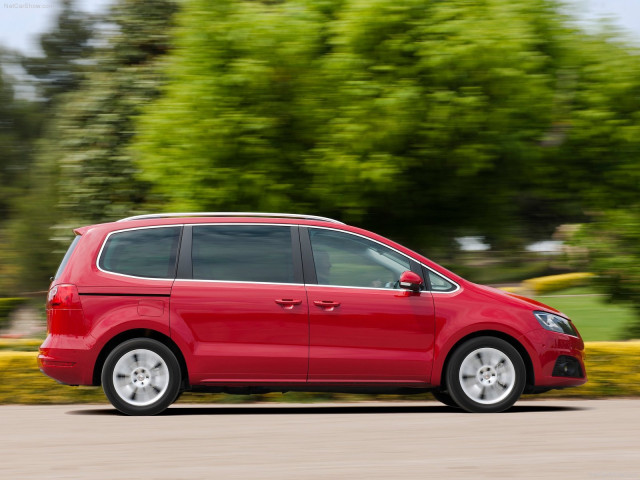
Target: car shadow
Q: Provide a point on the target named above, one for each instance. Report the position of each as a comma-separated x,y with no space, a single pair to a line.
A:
269,409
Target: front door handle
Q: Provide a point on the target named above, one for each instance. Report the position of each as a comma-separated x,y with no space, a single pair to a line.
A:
288,303
328,305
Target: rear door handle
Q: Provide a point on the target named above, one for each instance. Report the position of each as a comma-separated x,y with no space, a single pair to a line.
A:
288,303
328,305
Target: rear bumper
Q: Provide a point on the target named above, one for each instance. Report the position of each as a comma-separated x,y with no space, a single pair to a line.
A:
68,360
548,347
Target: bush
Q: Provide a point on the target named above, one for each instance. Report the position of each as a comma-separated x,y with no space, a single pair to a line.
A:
613,245
613,369
20,344
8,305
553,283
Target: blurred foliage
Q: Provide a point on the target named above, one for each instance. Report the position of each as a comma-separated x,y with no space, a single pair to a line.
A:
27,169
422,120
613,369
27,257
64,47
20,344
80,172
18,120
7,306
20,126
613,245
97,179
417,118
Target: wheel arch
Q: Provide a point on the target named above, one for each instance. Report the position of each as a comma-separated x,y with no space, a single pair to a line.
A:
139,333
526,358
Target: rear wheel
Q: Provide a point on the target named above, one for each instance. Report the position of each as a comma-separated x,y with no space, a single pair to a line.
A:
486,375
141,377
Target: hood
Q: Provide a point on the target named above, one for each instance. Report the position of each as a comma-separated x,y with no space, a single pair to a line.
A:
515,299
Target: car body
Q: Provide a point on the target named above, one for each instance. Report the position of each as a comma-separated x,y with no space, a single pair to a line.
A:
238,302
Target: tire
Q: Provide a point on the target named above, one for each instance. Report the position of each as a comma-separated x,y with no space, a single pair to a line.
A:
141,377
485,375
445,398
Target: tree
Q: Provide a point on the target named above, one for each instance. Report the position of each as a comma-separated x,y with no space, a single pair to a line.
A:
613,245
399,116
65,47
240,110
26,207
20,123
94,126
81,172
600,155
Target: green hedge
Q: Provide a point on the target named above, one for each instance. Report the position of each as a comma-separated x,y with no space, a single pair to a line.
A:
20,344
553,283
613,369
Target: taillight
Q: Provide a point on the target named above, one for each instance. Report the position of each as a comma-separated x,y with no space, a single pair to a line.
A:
64,296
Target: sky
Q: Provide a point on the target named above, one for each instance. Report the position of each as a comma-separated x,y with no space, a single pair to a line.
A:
22,20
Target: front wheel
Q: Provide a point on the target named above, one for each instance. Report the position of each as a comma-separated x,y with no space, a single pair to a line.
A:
486,375
141,377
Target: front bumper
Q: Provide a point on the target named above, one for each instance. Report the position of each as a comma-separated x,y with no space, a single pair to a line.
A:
548,347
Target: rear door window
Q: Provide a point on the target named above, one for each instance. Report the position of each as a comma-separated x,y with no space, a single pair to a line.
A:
243,253
144,252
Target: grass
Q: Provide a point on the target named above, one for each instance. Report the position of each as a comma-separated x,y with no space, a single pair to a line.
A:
596,319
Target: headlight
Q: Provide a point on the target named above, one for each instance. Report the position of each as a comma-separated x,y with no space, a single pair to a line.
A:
555,323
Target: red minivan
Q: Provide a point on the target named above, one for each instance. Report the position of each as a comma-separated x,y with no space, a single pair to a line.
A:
154,305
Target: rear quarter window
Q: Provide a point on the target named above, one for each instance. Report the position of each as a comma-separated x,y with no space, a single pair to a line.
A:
145,252
67,256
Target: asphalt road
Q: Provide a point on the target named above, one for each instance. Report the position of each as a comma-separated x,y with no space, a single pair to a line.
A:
581,439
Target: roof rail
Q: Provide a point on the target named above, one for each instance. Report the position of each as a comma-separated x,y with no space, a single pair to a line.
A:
230,214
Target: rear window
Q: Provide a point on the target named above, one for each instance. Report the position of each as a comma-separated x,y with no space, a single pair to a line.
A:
146,252
67,256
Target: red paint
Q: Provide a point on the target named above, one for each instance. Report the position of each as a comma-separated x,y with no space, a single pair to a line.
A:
372,336
243,334
238,333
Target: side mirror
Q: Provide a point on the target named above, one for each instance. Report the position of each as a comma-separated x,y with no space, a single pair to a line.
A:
410,281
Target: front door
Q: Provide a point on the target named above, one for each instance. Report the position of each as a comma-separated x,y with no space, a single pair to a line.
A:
363,328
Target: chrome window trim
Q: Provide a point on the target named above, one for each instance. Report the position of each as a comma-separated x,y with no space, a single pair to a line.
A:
238,282
106,239
172,279
458,287
364,288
